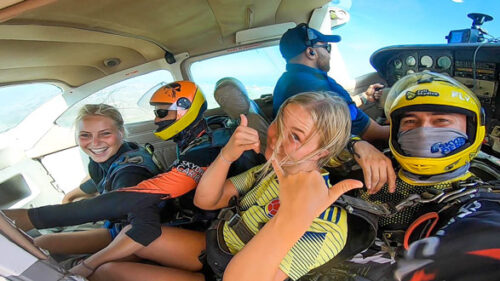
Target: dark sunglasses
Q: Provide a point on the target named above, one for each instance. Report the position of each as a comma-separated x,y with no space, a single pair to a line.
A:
181,104
161,113
328,47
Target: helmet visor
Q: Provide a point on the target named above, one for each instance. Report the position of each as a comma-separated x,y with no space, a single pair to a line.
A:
143,102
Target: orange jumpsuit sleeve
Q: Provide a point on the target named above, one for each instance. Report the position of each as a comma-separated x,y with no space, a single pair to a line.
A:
182,178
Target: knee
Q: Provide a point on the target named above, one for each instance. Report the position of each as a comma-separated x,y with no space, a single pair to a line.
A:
45,241
105,271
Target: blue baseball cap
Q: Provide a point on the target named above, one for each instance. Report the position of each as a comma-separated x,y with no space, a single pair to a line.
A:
297,39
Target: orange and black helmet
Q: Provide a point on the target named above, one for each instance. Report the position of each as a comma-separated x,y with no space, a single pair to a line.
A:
186,98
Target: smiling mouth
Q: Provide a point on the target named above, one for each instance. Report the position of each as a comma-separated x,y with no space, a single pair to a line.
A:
98,151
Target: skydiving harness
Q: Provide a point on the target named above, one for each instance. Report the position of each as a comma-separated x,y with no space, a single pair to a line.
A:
363,221
217,255
231,214
460,193
215,133
443,200
137,157
363,217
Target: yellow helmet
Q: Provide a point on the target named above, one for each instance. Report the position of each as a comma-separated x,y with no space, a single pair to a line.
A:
433,92
187,99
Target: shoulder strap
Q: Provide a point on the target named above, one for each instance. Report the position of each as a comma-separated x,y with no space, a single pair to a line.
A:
138,157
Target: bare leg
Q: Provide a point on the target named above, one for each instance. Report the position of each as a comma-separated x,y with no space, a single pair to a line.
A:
176,247
81,242
125,271
20,218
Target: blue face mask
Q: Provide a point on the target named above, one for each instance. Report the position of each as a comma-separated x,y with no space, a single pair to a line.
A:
429,142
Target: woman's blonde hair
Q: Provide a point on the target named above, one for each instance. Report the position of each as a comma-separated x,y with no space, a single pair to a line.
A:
332,121
101,110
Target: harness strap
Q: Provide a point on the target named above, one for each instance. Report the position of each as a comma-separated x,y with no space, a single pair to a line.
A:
235,222
240,228
431,217
481,194
349,202
151,149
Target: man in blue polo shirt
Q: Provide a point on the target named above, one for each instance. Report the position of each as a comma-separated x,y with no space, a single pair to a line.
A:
307,53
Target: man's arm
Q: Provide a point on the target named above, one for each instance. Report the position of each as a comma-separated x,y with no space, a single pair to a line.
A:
375,132
372,94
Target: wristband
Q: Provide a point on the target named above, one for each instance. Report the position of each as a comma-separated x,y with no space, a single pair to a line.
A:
224,159
363,98
350,146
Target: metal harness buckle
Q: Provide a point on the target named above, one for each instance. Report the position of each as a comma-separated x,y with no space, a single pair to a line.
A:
236,218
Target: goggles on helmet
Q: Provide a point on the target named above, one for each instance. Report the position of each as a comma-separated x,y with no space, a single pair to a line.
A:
181,104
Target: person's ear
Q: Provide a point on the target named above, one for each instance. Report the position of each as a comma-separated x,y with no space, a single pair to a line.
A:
310,53
321,154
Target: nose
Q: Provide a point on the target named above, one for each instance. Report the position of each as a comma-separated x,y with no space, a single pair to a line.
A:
95,140
426,122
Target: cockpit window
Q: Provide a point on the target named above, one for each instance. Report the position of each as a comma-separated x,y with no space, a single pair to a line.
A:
19,101
373,25
258,69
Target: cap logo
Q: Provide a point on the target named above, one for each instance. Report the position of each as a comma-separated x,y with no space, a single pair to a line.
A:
421,93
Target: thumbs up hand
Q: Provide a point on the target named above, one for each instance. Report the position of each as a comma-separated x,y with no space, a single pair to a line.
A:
305,194
244,138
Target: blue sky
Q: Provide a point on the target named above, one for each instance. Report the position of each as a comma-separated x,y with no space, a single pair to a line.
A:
378,23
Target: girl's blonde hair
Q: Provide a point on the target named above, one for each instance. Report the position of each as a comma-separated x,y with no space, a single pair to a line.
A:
101,110
332,121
